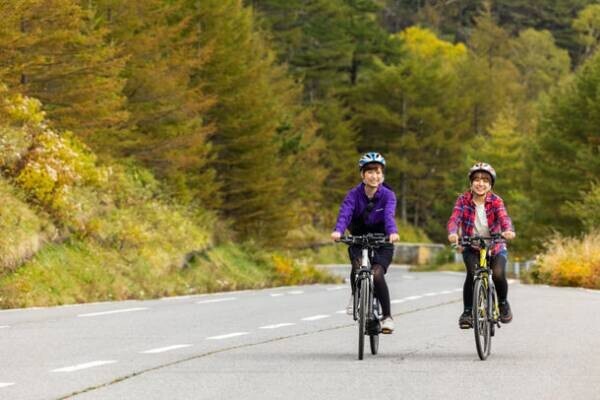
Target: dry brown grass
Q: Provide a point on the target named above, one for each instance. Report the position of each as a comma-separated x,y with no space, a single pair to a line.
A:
572,262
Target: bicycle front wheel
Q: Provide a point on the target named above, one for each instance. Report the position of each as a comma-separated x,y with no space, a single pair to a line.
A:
481,320
363,312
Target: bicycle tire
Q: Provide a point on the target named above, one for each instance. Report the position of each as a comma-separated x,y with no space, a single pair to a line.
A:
362,315
374,338
481,320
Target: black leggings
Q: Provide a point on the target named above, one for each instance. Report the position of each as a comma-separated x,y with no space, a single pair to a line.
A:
471,259
381,289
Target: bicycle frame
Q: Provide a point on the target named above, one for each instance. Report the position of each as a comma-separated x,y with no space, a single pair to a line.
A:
485,273
364,273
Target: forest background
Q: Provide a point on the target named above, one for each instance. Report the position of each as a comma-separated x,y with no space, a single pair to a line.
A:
166,146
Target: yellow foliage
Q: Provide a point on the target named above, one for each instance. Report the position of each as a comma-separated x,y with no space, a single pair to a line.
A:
572,262
425,45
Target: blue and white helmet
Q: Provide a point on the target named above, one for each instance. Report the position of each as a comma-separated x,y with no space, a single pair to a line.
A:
371,157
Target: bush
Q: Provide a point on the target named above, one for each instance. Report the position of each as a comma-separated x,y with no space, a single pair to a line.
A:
570,262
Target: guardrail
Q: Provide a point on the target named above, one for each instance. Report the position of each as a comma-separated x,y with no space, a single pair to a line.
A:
416,253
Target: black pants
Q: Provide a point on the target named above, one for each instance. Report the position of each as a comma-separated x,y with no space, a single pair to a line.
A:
379,265
471,259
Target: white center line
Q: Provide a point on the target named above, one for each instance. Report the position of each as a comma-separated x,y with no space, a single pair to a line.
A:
276,294
341,312
216,300
123,310
296,292
315,317
227,336
5,384
430,294
163,349
275,326
84,366
412,298
396,301
4,326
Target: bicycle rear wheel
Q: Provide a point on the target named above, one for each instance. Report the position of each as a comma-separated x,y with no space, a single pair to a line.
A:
481,320
363,309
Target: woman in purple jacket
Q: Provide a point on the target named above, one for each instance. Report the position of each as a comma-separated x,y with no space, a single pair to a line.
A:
370,207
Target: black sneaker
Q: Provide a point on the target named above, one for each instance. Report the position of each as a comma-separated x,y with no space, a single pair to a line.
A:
505,313
466,320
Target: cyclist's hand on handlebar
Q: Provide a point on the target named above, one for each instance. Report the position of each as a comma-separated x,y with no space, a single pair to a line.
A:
335,236
394,237
453,238
508,235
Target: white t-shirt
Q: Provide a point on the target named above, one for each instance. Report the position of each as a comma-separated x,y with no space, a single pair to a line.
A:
481,223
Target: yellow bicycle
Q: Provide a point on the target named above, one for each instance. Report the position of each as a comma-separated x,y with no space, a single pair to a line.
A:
486,312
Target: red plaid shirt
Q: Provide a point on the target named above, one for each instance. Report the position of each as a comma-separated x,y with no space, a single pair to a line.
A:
462,220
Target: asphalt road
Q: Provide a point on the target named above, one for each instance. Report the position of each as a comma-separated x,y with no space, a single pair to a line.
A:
296,343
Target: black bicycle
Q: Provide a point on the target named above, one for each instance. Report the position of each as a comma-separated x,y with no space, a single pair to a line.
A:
486,312
367,310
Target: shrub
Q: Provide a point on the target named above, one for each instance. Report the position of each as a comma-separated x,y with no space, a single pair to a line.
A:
571,262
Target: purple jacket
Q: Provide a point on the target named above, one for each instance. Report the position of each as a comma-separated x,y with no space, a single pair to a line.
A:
379,220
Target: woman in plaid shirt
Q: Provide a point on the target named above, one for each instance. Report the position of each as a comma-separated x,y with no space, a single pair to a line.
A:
481,212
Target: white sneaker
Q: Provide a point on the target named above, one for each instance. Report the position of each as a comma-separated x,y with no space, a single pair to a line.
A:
387,325
350,306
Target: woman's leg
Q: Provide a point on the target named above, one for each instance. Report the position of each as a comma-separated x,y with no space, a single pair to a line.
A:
470,259
382,292
499,276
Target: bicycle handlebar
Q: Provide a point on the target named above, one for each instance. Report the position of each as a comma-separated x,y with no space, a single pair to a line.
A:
368,240
466,241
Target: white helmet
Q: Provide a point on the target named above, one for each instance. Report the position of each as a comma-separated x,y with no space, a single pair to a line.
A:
483,167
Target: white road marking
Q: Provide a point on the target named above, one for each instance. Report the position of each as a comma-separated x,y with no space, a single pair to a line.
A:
315,317
275,326
341,312
336,288
447,292
396,301
412,298
276,294
458,290
216,300
5,384
227,336
430,294
296,292
84,366
163,349
4,326
123,310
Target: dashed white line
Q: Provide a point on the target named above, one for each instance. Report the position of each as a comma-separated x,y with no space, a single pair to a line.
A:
123,310
430,294
315,317
227,336
396,301
412,298
78,367
275,326
5,384
341,312
216,300
276,294
163,349
4,326
296,292
447,292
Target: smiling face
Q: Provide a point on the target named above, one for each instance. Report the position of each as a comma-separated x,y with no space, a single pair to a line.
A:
372,175
481,183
